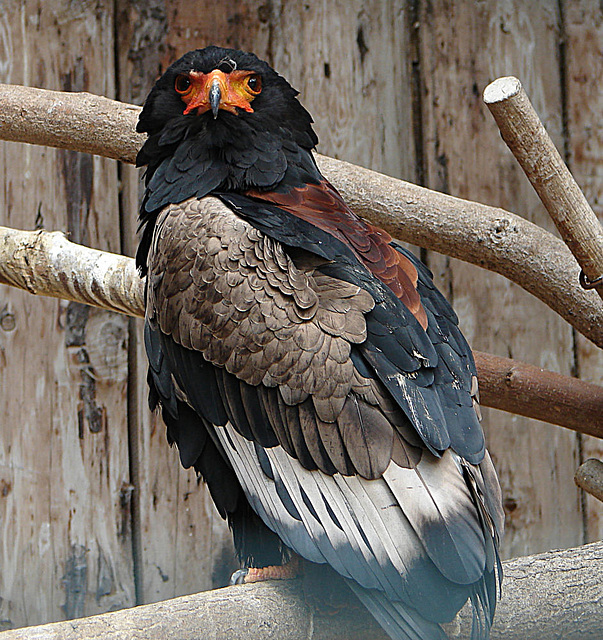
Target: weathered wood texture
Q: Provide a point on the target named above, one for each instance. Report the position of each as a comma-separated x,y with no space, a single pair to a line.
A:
589,476
65,534
526,390
501,241
392,85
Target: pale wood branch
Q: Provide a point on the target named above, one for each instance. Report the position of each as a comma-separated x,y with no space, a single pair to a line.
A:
48,264
532,147
554,595
489,237
77,121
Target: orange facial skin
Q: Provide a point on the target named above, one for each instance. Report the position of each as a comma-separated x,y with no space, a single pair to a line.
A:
237,90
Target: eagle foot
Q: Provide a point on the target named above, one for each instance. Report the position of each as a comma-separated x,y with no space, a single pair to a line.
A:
287,571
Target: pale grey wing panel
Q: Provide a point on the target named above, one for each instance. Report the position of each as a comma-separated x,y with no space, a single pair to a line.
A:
357,525
262,494
438,503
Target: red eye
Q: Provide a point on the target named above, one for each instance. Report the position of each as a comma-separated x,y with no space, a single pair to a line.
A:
254,83
182,84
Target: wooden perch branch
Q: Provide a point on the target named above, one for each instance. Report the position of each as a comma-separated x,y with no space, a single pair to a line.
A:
553,595
77,121
48,264
537,393
550,595
531,145
486,236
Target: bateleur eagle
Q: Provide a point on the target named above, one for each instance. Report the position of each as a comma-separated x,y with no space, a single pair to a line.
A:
304,362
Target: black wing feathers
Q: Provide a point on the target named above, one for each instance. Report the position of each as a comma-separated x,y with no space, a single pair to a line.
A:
193,373
198,446
457,373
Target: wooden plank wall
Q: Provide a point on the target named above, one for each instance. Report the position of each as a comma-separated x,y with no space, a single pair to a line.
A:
95,511
462,48
64,470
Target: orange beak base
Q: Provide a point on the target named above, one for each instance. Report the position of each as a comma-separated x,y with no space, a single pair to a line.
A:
218,90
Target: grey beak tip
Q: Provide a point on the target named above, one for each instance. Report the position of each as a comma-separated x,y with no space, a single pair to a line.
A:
215,96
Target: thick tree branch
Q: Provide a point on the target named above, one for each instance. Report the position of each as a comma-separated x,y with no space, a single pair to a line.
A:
48,264
77,121
532,147
555,595
486,236
537,393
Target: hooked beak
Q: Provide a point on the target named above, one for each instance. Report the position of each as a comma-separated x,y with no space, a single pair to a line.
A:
215,97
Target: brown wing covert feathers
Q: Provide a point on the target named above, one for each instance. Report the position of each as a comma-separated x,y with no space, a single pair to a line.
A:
322,205
233,294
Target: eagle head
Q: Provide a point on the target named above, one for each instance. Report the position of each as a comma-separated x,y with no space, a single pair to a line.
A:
224,93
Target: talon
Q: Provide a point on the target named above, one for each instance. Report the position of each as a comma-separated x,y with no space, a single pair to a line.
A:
238,577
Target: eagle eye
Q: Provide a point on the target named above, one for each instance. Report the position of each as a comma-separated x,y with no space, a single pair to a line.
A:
254,83
182,84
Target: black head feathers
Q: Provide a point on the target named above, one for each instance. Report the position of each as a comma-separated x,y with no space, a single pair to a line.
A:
277,104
